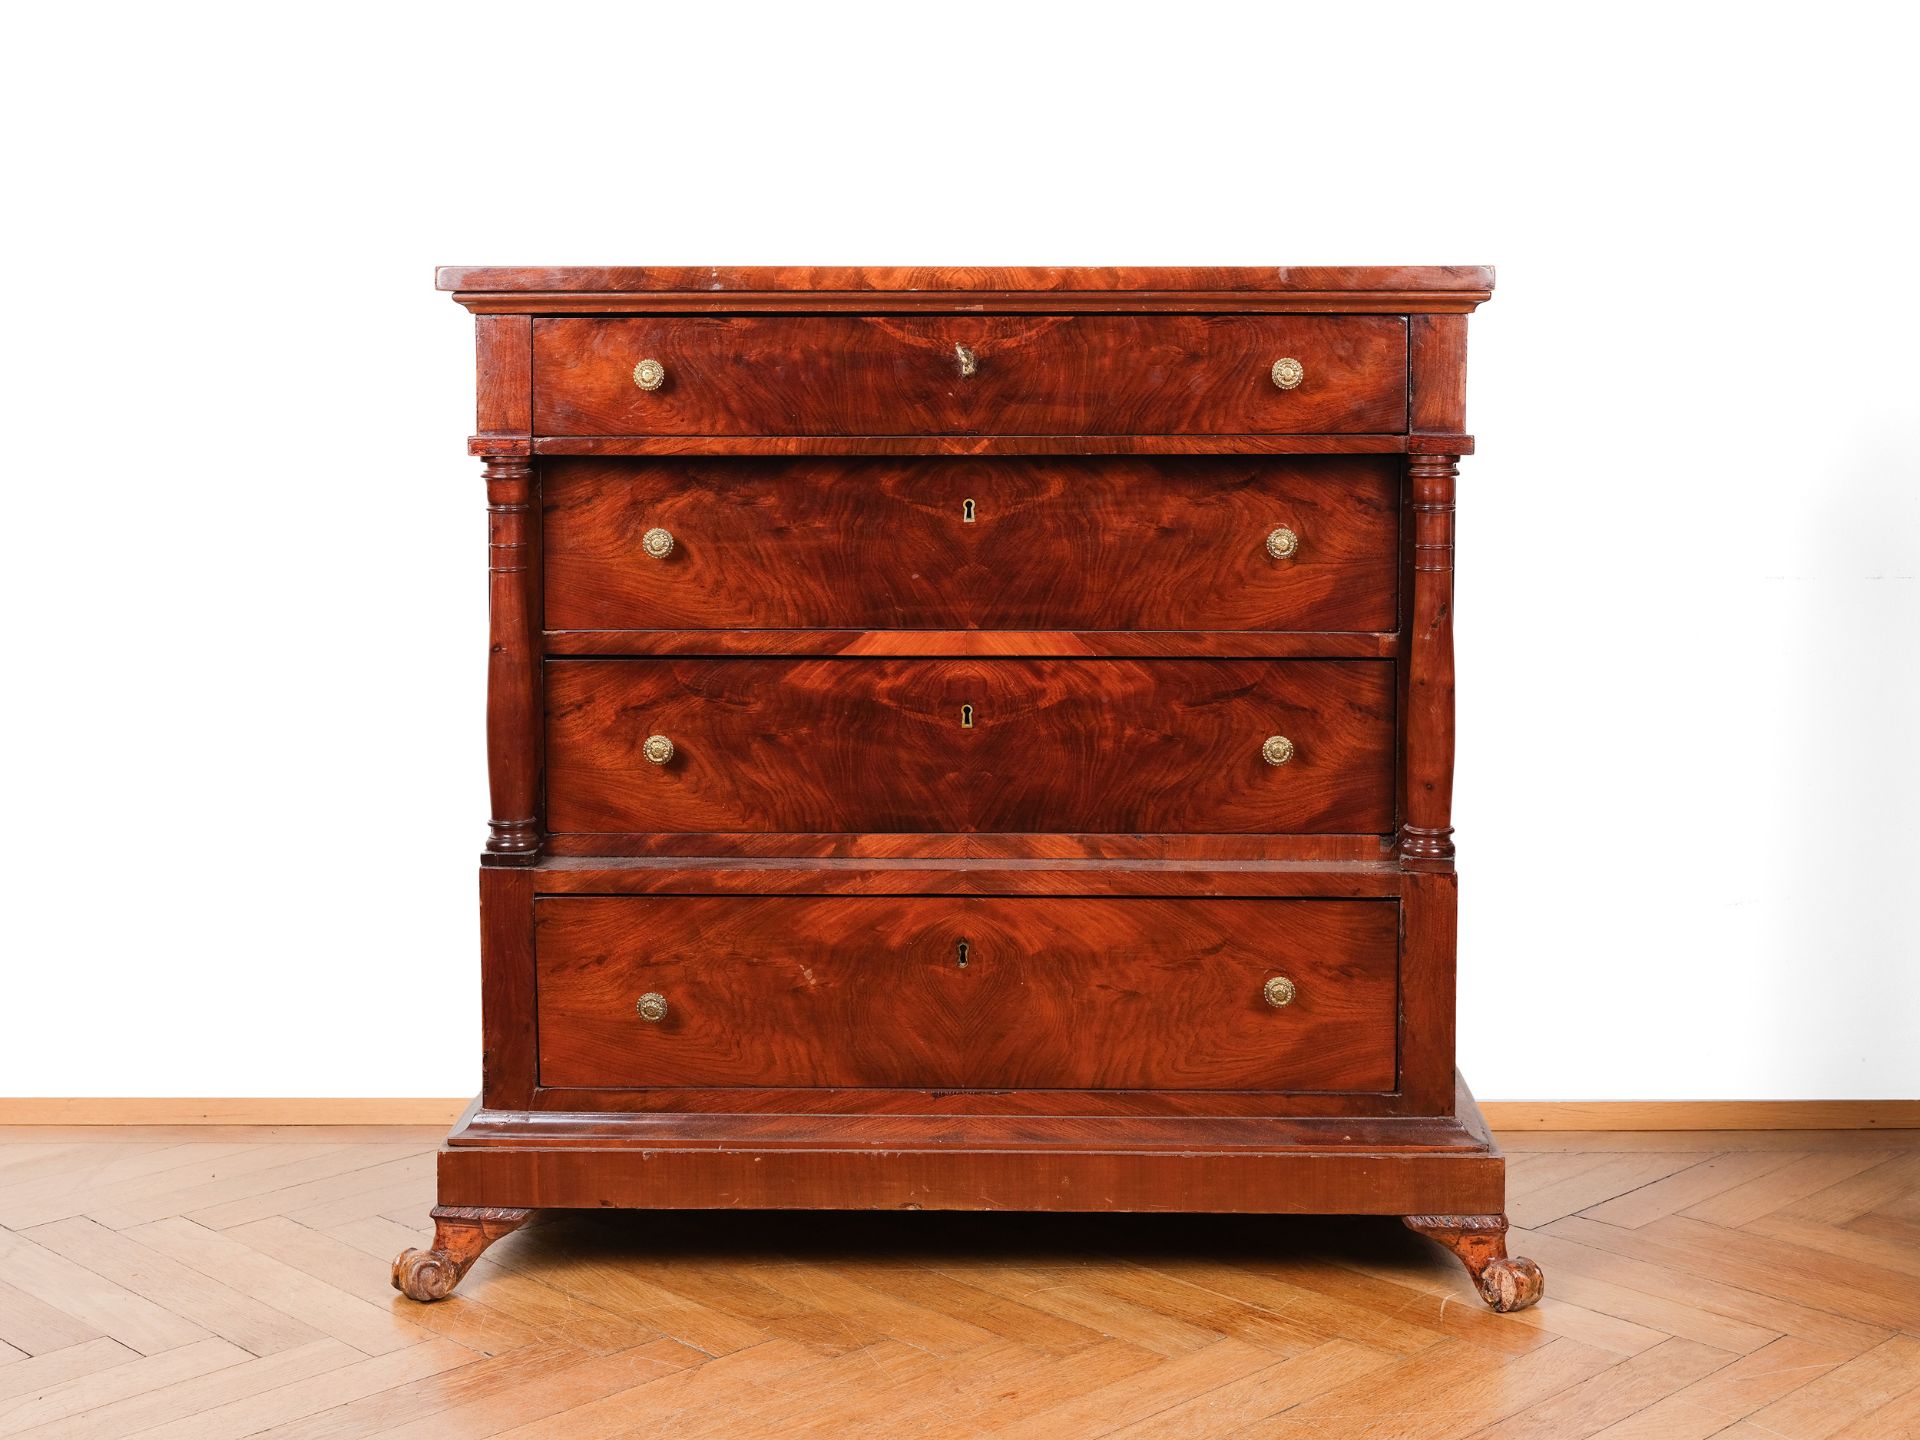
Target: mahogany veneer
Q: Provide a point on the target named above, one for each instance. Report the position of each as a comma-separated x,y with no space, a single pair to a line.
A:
971,739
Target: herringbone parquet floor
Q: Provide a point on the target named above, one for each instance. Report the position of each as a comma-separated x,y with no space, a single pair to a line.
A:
212,1283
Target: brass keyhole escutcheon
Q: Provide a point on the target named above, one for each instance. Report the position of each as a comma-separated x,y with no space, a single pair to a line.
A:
966,512
960,953
968,361
966,717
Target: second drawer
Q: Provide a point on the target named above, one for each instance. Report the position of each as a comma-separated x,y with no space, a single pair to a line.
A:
1027,543
948,746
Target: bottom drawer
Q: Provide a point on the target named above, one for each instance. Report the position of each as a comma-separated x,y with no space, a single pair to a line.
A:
963,992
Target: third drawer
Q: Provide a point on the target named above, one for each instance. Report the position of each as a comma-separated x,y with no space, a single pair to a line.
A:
1090,746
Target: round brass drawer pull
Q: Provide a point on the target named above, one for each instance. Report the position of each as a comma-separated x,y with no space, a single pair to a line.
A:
1288,372
651,375
1278,991
1282,543
1277,751
659,543
653,1006
658,749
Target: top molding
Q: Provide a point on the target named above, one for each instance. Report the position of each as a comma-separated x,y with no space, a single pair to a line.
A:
1404,289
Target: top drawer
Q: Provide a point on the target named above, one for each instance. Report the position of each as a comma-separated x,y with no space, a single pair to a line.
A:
971,375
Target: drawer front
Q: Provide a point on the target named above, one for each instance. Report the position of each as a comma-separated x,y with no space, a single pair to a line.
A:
1029,375
833,991
1070,746
1005,544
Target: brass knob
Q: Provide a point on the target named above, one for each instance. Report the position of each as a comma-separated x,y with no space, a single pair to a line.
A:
1281,543
1287,372
1278,991
651,375
969,362
653,1006
659,543
1277,751
659,749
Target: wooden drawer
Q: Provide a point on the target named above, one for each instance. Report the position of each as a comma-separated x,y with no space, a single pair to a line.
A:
1031,375
1002,544
1071,746
835,991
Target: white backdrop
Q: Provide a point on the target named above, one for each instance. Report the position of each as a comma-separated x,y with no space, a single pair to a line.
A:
245,571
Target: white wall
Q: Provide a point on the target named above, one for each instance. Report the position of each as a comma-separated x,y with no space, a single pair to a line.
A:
245,558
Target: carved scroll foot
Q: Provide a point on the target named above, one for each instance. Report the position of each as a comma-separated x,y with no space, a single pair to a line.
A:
460,1233
1506,1282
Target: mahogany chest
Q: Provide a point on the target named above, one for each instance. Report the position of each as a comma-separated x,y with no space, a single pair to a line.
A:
971,739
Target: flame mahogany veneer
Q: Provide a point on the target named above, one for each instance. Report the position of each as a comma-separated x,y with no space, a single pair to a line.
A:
884,685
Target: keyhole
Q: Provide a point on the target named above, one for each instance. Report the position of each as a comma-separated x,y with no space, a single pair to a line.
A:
961,952
966,717
966,512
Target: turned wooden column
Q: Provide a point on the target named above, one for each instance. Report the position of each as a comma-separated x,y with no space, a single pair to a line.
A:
513,664
1426,829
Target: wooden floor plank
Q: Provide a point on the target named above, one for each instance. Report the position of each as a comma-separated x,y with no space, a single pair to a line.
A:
1260,1396
1851,1392
55,1405
1439,1394
31,1325
1886,1183
1756,1294
1611,1396
183,1399
1673,1193
42,1372
1710,1405
1617,1175
616,1395
480,1328
213,1305
55,1197
1764,1194
324,1307
92,1299
1139,1397
257,1413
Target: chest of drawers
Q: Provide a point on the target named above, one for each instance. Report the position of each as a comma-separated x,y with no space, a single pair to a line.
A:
970,739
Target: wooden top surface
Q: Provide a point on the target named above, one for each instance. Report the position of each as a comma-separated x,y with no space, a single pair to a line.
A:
895,279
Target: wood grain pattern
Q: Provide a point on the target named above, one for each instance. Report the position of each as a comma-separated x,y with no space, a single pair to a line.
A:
503,368
1036,375
1107,746
967,993
871,280
1031,644
1426,829
1125,545
513,666
979,445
